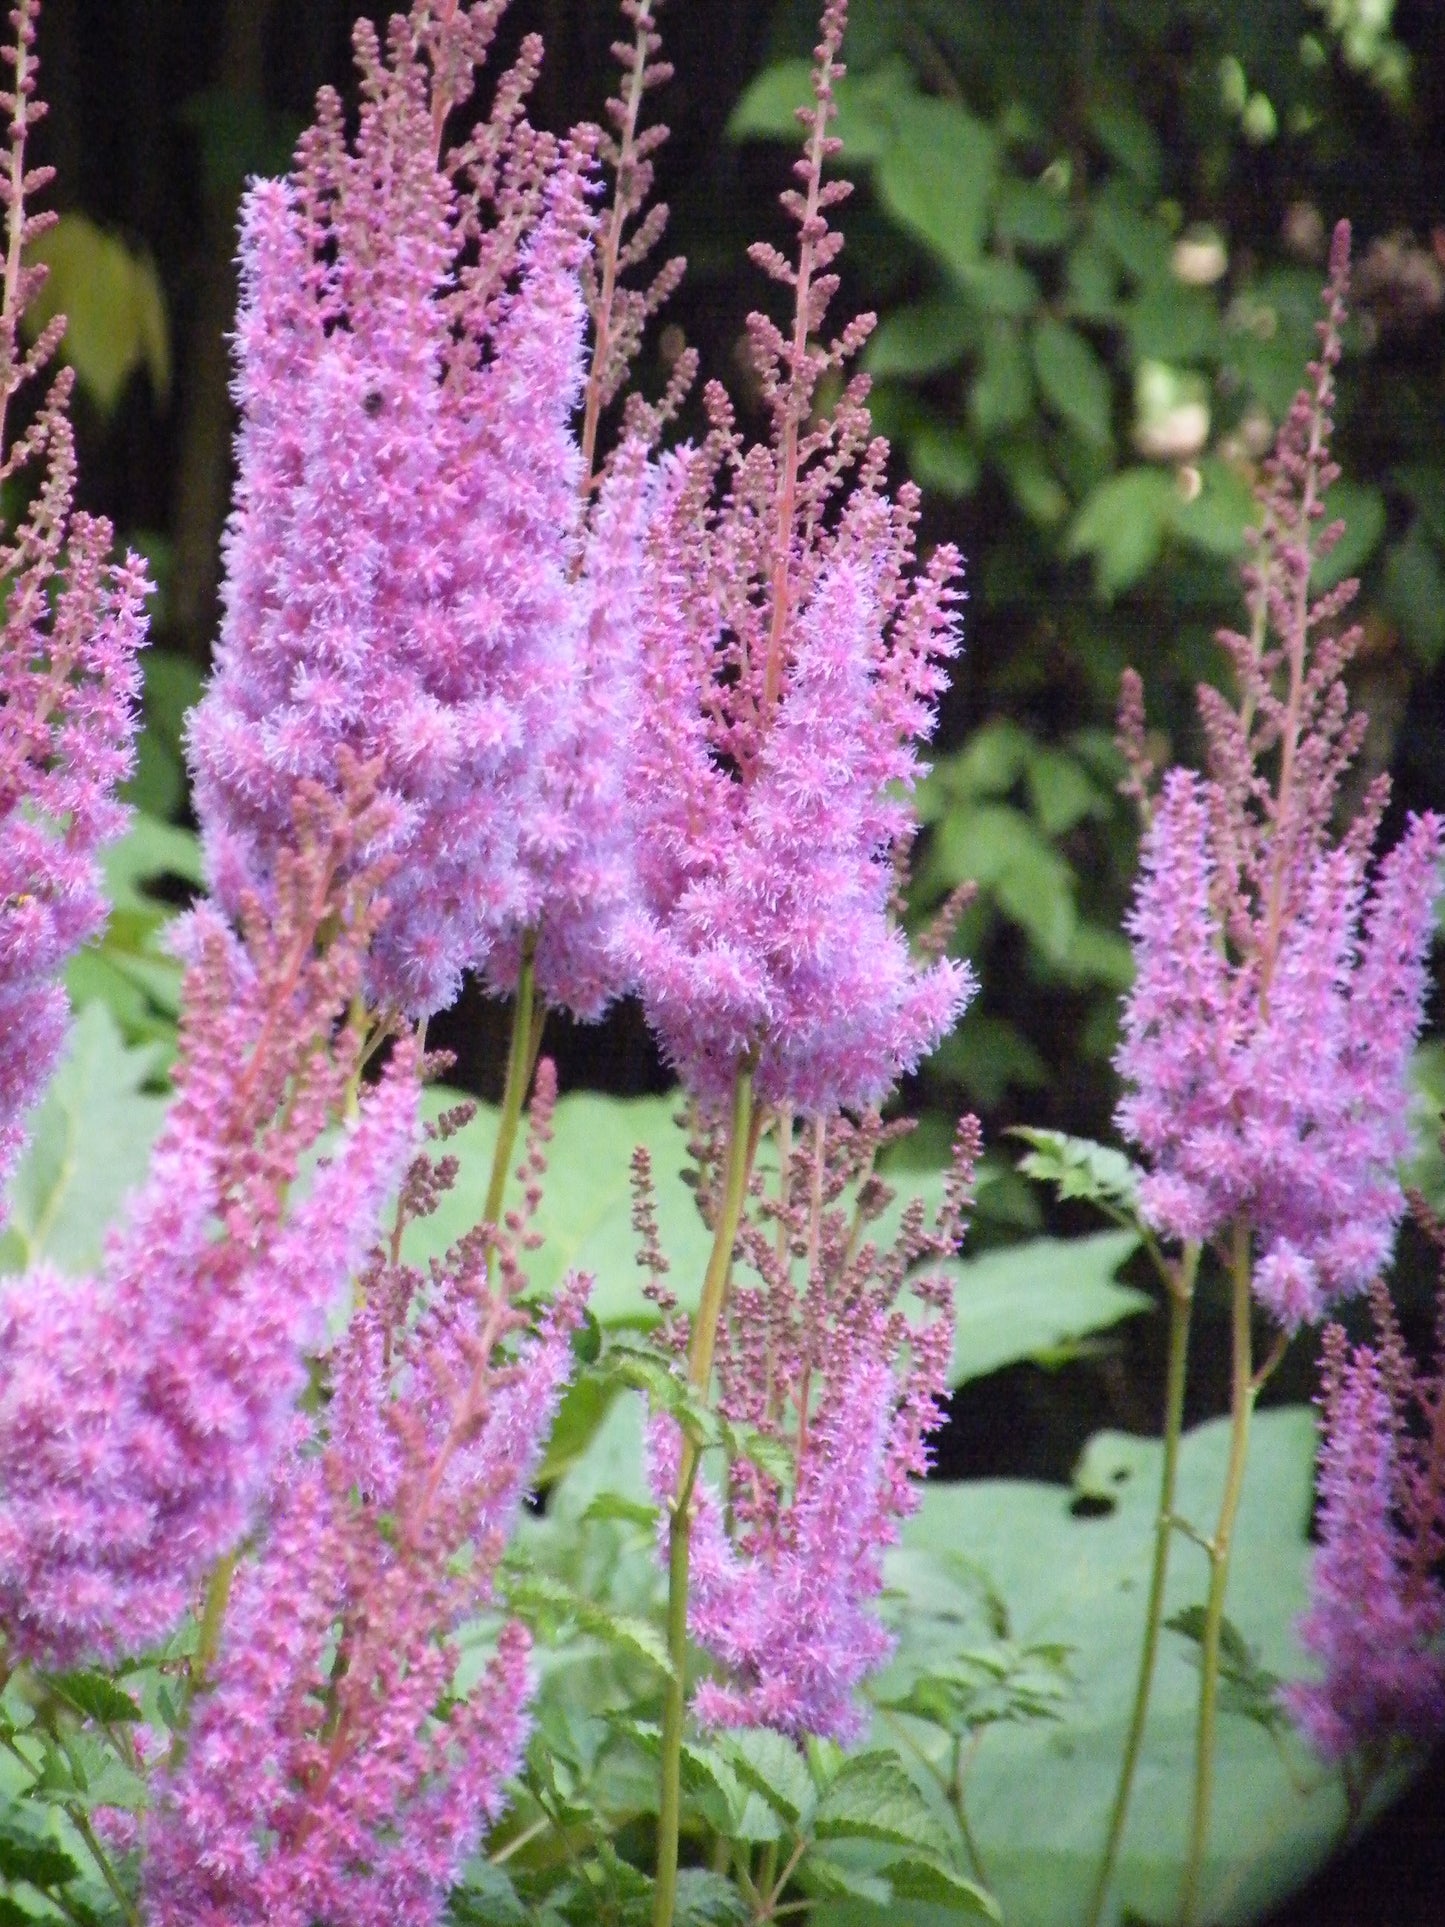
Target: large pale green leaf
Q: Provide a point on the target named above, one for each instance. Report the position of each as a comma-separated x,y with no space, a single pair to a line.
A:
1039,1794
89,1142
586,1215
1037,1300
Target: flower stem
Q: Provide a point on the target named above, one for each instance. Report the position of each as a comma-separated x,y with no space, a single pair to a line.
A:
1243,1393
1181,1303
521,1056
741,1143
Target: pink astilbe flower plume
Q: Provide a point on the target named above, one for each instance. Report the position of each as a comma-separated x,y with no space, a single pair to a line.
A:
1279,990
141,1412
405,562
330,1773
1376,1622
823,1363
794,658
72,625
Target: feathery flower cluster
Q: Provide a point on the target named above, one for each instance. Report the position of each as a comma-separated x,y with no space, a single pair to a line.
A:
405,564
335,1775
142,1411
795,658
1278,995
72,625
1376,1622
829,1373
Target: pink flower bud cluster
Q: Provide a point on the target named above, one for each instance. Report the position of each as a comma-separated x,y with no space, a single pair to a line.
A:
1278,990
823,1367
141,1412
72,625
1377,1611
408,574
331,1772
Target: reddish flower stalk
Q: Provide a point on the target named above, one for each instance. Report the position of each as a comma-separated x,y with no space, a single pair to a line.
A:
69,682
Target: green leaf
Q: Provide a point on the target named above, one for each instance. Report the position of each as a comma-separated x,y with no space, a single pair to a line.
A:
772,1765
94,1696
1077,1167
922,1877
30,1852
486,1898
922,339
1128,139
1038,1300
1001,850
1073,380
1039,1793
867,107
536,1596
706,1899
1414,591
944,459
1032,215
1215,520
990,762
89,1145
1122,525
1247,1688
936,179
1003,391
114,306
1063,792
1171,322
585,1217
873,1798
1362,510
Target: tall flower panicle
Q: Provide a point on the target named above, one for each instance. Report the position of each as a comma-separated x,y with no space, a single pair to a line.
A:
795,658
142,1411
1279,989
72,625
405,561
1377,1610
843,1387
330,1771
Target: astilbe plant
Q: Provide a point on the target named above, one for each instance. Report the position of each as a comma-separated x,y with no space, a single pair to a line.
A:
1377,1605
407,573
819,1364
142,1411
795,660
331,1772
1279,991
1255,928
72,625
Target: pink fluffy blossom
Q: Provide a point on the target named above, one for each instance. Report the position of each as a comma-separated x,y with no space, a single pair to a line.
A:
1291,1110
409,573
1377,1613
822,1363
72,625
794,659
142,1411
1279,990
330,1773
